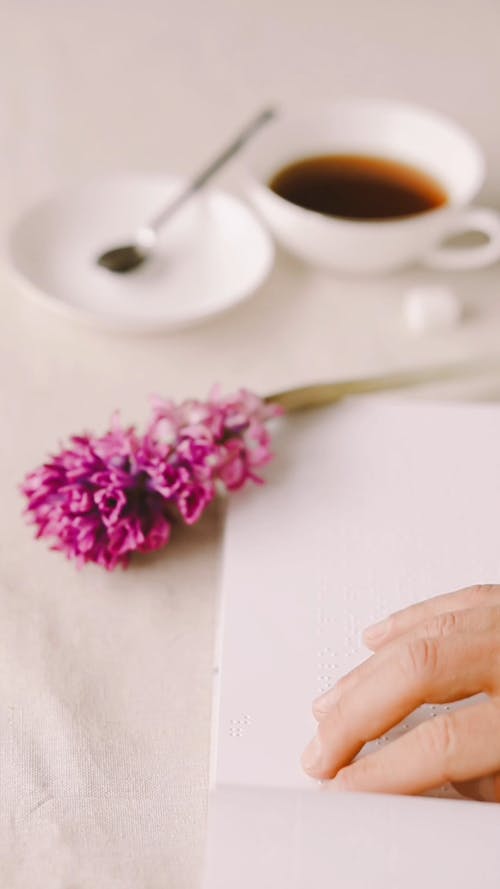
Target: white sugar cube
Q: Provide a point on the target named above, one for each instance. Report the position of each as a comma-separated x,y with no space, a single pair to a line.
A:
431,307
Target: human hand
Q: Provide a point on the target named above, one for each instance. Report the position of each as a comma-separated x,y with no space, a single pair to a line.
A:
437,651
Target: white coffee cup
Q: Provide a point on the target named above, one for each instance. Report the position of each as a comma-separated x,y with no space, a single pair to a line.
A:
392,130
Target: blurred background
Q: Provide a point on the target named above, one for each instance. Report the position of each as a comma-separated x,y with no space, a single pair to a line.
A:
92,86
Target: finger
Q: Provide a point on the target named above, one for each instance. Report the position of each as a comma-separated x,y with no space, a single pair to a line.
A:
455,748
447,623
421,671
486,789
402,621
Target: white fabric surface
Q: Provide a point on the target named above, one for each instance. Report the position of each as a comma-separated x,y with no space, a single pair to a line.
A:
105,680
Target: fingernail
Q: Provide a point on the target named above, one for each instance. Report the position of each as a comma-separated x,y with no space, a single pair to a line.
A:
311,758
377,631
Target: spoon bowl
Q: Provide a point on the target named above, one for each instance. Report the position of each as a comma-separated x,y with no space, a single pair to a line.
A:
123,259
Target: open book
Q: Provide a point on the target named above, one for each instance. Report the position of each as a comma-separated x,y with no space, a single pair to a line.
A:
369,506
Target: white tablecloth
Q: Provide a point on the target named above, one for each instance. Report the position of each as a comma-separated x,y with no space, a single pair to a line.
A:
105,680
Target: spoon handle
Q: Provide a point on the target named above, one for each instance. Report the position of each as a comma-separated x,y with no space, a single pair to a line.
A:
320,394
204,175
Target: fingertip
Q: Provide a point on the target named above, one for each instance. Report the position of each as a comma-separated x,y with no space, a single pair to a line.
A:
311,758
323,704
374,637
368,642
318,709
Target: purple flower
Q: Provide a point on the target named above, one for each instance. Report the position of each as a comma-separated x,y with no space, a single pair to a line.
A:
104,497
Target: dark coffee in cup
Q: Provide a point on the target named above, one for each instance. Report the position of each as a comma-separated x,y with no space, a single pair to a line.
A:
352,186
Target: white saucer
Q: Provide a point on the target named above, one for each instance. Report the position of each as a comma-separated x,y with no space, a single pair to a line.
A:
213,254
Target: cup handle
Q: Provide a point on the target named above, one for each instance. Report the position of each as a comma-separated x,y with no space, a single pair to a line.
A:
473,219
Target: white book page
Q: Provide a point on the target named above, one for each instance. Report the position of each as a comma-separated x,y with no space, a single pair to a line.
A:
369,506
293,839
